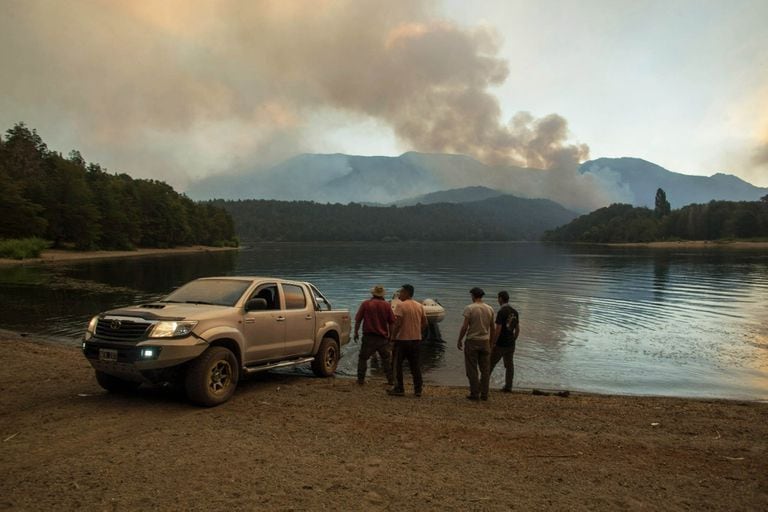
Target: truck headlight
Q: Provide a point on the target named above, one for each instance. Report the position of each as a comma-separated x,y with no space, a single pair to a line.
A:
172,329
91,329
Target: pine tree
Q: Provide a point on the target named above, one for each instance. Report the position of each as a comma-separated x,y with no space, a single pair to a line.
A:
663,207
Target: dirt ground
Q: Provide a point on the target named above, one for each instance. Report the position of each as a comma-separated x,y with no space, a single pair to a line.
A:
292,442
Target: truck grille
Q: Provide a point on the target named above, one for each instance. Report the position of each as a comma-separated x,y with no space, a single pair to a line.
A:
121,330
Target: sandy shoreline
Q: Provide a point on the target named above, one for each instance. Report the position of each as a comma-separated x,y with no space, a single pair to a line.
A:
53,256
61,256
696,244
291,442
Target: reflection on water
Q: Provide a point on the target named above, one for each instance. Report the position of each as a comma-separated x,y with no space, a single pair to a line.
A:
619,320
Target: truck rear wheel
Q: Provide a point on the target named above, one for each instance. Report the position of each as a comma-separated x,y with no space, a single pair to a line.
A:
327,358
212,378
115,384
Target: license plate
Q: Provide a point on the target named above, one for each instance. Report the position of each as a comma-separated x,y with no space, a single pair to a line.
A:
107,354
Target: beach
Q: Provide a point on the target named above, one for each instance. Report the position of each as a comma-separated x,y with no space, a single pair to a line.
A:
292,442
64,256
696,244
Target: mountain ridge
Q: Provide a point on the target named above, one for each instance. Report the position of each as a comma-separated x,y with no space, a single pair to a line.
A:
341,178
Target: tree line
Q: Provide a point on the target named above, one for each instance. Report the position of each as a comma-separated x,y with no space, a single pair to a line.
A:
500,218
619,223
77,204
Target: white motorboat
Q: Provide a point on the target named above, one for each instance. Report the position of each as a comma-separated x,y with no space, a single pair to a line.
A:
433,309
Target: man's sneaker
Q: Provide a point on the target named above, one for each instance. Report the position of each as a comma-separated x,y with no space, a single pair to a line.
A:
484,398
360,382
473,397
396,392
506,390
417,393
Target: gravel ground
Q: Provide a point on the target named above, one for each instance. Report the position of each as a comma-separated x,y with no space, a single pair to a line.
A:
292,442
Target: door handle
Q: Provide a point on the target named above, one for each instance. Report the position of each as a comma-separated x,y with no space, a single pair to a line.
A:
308,317
281,319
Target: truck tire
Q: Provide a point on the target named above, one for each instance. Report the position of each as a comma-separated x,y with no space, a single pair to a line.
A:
115,384
212,378
327,358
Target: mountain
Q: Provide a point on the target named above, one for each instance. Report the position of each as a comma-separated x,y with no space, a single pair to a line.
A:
503,217
363,179
414,177
455,195
640,180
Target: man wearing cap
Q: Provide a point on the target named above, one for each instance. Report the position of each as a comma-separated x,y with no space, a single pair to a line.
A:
377,318
479,330
410,322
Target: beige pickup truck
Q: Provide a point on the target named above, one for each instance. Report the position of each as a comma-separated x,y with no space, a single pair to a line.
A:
210,332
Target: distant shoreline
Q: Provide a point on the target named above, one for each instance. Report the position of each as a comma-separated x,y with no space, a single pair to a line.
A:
53,256
695,244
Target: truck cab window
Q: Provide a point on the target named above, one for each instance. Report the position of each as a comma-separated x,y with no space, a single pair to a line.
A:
269,293
294,297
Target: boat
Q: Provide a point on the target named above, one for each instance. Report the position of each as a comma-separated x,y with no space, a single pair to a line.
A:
433,309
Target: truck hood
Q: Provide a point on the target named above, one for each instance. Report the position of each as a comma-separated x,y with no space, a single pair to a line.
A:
170,311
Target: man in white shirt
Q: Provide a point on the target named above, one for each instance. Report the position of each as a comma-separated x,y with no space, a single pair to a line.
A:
479,330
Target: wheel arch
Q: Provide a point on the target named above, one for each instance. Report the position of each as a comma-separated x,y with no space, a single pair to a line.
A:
331,333
231,345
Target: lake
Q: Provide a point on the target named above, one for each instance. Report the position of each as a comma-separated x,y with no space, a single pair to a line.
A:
681,322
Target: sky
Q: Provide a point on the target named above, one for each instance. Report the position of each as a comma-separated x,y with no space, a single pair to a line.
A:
182,89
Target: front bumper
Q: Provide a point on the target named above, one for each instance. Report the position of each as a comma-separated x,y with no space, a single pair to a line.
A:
130,364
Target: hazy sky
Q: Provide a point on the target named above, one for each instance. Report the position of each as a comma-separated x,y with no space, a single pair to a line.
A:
180,89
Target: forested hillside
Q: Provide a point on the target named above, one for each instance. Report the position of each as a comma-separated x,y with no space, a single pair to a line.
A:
73,203
500,218
711,221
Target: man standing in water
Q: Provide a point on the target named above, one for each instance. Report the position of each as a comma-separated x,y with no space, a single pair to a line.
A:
503,343
410,322
377,319
478,329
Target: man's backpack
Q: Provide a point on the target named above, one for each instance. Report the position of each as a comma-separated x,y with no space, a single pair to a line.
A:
513,320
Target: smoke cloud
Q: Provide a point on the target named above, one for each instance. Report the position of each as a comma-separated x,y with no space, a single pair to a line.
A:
185,88
760,156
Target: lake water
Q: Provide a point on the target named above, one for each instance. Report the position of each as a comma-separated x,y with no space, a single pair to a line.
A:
680,322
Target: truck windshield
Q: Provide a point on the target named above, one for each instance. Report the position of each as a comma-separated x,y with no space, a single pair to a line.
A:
219,292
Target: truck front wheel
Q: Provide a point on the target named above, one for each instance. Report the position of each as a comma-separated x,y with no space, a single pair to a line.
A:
212,378
115,384
327,358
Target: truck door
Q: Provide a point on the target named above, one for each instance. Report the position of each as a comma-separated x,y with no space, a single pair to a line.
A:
299,319
265,329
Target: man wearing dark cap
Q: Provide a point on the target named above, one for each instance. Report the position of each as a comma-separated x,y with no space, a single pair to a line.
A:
410,322
377,318
479,330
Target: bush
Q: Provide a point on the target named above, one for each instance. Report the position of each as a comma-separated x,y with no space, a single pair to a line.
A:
233,242
22,248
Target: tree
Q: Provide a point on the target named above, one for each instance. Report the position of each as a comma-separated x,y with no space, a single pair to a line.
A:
663,207
73,203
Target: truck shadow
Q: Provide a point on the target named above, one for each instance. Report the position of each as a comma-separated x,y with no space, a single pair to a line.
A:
252,387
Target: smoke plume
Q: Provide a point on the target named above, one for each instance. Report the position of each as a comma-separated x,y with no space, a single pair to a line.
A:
184,88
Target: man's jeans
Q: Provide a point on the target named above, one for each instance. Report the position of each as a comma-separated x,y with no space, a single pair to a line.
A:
507,353
407,349
477,354
372,344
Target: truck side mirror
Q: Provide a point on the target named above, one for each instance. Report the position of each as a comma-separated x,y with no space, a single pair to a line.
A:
256,305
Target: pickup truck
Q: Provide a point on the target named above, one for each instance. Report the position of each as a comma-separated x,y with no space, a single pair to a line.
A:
210,332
